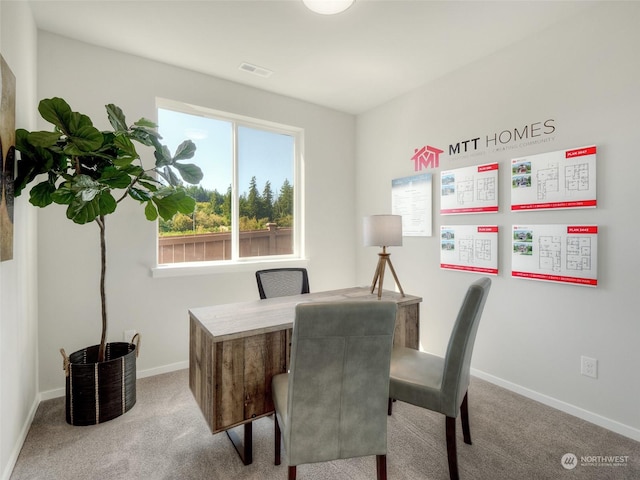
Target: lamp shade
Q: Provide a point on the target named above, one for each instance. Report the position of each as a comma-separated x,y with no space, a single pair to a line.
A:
382,230
328,7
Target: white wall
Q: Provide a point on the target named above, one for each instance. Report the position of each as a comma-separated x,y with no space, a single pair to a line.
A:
88,78
584,74
18,296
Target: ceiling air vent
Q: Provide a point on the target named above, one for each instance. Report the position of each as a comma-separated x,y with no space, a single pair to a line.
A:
256,70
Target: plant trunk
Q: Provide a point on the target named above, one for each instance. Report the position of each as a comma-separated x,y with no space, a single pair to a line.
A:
103,299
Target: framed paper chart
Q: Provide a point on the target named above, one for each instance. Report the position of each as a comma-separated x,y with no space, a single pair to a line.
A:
565,179
411,197
469,248
469,190
556,253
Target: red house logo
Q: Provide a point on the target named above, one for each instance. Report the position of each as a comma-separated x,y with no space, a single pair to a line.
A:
426,157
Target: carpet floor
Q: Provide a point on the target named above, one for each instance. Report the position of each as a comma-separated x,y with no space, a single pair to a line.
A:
164,436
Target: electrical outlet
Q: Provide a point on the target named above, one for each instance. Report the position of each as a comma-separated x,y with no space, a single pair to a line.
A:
589,367
128,335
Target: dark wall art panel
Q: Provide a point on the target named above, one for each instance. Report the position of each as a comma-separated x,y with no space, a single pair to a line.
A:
7,147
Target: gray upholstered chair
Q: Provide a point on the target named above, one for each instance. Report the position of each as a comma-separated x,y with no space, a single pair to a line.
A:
333,402
440,384
282,282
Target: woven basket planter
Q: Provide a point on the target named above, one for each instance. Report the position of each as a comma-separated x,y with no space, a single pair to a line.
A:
100,391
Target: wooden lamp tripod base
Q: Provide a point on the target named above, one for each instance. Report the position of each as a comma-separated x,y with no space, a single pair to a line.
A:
378,277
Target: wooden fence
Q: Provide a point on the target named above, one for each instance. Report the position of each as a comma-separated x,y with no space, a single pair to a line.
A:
217,246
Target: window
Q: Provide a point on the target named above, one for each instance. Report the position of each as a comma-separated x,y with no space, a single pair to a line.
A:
247,205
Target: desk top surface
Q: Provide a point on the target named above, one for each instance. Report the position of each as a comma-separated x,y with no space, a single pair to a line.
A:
236,320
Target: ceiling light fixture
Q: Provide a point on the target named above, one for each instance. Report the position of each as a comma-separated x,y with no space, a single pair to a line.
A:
328,7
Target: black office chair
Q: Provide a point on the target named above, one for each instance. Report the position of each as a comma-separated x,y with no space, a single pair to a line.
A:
282,282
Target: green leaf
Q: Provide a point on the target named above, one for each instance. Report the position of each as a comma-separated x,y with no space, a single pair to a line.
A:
78,121
63,195
84,140
81,211
166,207
185,150
133,170
189,172
85,187
116,118
186,204
56,111
148,185
25,173
40,194
43,139
22,140
107,203
163,157
123,162
146,135
128,149
32,161
150,211
145,122
139,195
115,178
172,202
171,177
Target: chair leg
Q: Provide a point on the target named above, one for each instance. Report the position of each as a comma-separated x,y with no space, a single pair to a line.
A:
277,441
464,416
381,467
451,448
390,406
292,472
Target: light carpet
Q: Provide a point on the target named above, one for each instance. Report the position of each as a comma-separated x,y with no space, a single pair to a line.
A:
164,436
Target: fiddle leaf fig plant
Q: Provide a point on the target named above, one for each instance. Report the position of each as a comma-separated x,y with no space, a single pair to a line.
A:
92,171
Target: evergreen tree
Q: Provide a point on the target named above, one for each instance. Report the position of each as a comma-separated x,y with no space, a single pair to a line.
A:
284,203
198,193
267,202
226,206
253,204
217,202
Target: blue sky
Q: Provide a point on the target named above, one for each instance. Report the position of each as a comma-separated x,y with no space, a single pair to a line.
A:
263,154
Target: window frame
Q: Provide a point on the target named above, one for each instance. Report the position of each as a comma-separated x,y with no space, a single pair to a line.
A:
237,263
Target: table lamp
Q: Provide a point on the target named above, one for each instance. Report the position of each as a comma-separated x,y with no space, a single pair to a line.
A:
383,231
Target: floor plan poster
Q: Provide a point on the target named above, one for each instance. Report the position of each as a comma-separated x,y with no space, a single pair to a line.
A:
556,253
469,190
556,180
411,197
471,248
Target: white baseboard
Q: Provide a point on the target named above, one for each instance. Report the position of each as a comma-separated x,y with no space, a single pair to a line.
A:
13,457
150,372
604,422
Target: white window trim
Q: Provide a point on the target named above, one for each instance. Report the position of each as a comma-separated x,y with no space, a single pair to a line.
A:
186,269
241,264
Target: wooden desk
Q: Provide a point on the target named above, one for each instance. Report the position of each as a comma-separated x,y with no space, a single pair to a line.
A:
235,349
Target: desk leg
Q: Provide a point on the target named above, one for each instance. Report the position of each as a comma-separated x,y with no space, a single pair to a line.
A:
244,449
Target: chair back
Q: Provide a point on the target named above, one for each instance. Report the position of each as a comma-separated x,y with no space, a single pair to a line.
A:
282,282
339,380
457,362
